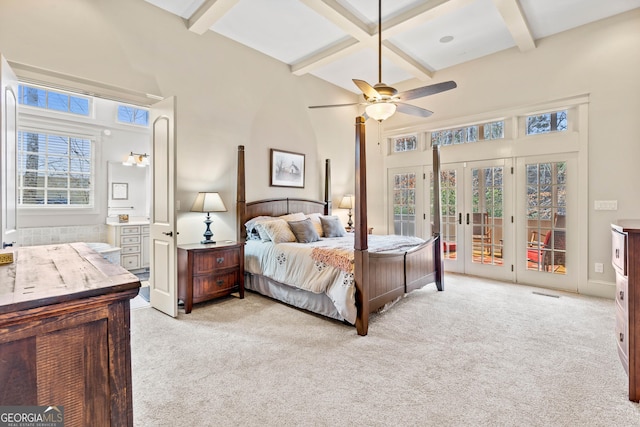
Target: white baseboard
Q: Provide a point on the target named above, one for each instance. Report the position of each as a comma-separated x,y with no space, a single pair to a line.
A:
598,288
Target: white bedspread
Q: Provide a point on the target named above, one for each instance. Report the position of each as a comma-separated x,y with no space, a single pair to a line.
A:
293,265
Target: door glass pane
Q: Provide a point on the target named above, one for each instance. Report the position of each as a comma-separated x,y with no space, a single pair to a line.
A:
449,203
486,218
546,217
404,204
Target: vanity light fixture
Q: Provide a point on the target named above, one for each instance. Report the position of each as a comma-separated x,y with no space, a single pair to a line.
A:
138,159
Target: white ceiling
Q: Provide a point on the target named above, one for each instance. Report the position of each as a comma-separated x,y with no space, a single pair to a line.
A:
336,40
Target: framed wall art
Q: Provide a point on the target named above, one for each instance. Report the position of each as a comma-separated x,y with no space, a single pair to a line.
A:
119,191
286,169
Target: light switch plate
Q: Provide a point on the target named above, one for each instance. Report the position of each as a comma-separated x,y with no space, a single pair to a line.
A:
605,205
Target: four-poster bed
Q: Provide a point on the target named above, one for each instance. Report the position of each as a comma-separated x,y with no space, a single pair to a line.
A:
379,272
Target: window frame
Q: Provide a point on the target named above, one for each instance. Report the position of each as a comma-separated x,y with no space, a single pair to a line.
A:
525,118
50,127
53,111
134,107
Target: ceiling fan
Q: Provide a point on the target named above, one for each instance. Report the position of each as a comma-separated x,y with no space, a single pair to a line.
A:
382,100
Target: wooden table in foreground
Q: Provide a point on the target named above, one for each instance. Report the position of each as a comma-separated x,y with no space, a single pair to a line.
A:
64,334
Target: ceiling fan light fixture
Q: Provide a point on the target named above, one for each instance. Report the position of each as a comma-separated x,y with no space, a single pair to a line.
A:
381,110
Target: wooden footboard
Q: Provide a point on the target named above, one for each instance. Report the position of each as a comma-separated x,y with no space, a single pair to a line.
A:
420,266
386,278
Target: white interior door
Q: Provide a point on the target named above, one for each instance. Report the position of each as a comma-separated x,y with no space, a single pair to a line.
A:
163,281
8,159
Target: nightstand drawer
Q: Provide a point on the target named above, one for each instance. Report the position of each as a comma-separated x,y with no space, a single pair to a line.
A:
206,287
206,262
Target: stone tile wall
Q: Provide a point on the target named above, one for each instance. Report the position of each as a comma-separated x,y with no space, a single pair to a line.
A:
50,235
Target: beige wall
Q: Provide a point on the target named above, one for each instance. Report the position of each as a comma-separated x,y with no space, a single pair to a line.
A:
601,60
227,94
230,95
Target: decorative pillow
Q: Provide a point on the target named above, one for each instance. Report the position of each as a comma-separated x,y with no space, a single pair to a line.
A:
304,231
315,220
250,225
332,227
277,231
293,217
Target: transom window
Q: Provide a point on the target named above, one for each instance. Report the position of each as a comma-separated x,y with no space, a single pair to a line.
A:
54,170
467,134
53,100
546,123
405,143
133,115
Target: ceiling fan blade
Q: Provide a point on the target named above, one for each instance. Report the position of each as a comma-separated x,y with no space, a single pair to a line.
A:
413,110
335,105
367,89
419,92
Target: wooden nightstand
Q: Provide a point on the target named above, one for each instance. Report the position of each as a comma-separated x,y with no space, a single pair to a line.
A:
209,271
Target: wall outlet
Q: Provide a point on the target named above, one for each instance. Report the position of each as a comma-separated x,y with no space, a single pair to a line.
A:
599,267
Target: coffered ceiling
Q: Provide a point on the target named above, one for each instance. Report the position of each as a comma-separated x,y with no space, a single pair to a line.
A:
336,40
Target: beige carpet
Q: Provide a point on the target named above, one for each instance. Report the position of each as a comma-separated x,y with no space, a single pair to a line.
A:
481,353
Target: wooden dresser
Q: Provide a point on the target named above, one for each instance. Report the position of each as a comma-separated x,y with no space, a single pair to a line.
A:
64,334
625,257
209,271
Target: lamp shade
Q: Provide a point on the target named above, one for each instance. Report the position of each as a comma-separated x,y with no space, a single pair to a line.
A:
381,110
346,202
208,202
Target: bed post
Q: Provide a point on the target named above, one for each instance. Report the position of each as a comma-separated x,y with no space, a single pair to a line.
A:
437,220
361,252
327,187
240,197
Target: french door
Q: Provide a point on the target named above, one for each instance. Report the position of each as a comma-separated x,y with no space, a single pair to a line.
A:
406,217
507,219
548,242
476,218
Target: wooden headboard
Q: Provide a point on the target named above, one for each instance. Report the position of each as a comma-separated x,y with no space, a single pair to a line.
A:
276,207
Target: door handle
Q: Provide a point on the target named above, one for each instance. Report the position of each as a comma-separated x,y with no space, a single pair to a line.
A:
6,245
169,233
460,218
467,219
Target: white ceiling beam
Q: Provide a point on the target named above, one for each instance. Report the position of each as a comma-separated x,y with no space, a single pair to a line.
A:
404,61
208,14
340,17
326,56
516,22
363,37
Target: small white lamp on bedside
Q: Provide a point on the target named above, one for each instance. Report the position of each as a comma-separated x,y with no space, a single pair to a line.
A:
347,203
208,202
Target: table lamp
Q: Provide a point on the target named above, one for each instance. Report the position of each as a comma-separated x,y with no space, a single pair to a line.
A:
208,202
347,203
